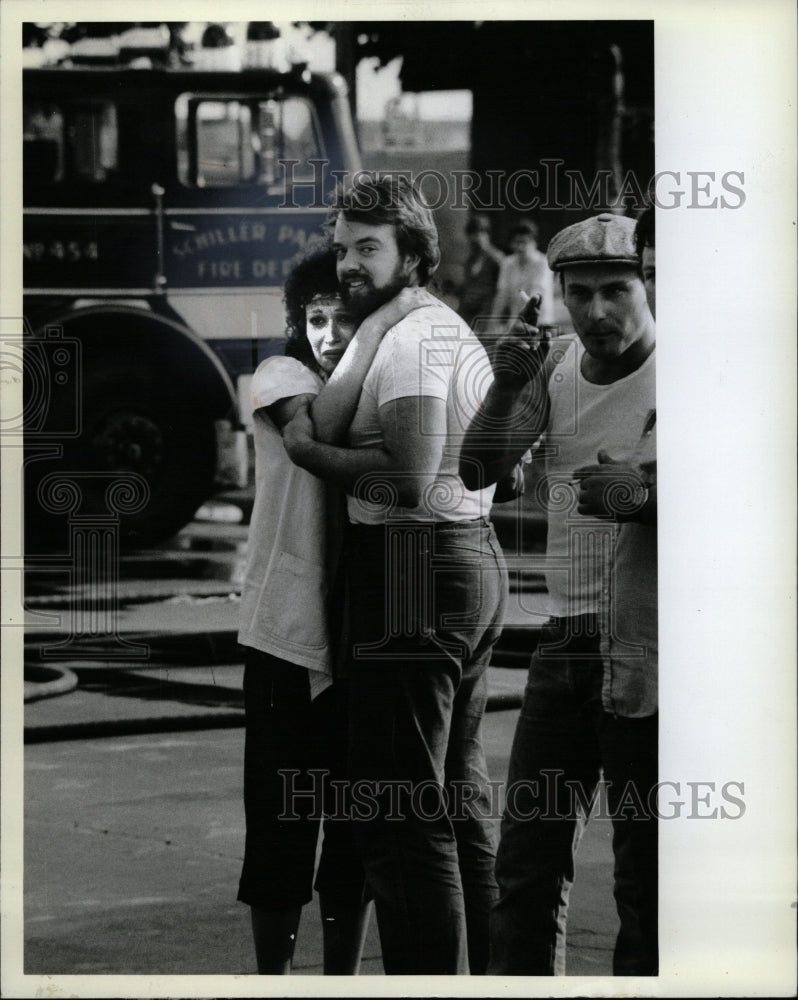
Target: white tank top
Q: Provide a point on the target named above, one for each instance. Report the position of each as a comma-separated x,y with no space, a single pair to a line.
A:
583,419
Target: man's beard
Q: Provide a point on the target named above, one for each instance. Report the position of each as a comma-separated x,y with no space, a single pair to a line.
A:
368,299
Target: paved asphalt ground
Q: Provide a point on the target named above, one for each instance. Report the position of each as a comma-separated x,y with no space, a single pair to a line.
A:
133,814
133,849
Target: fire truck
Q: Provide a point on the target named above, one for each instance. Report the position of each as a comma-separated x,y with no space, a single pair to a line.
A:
162,209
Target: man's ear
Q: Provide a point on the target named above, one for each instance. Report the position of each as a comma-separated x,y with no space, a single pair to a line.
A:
410,265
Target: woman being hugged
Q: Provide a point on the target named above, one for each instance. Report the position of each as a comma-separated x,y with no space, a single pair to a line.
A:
295,743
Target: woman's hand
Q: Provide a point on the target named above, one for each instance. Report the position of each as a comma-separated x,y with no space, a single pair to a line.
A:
395,310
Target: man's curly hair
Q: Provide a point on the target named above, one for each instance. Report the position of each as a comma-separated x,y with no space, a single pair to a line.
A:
313,274
387,198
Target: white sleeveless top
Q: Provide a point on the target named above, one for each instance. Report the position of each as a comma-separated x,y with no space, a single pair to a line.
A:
585,418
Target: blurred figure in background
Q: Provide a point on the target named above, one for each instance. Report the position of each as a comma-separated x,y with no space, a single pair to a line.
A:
480,273
645,245
522,274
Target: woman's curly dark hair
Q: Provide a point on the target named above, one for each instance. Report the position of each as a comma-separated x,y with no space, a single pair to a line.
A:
313,274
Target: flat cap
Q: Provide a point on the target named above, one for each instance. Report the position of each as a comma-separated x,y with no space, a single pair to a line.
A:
604,239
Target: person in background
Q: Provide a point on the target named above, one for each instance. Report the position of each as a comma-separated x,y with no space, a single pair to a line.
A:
523,274
427,577
626,493
295,710
590,703
480,274
645,246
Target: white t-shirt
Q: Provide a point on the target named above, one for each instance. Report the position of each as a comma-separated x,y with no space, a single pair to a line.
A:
585,418
431,352
283,602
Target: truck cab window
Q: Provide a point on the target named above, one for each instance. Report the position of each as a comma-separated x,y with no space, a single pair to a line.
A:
42,142
77,140
233,142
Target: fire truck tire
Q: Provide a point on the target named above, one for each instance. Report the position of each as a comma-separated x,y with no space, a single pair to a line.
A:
135,423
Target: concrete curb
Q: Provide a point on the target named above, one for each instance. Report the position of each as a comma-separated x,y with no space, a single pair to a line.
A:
103,729
198,649
214,645
170,721
100,729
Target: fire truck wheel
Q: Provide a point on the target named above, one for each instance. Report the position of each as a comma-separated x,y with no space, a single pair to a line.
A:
132,423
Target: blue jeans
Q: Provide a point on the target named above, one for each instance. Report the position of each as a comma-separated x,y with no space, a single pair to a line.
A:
427,606
562,743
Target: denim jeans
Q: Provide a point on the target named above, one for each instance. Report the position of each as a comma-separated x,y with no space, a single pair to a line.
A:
427,604
563,741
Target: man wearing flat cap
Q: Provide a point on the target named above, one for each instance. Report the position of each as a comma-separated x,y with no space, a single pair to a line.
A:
586,405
